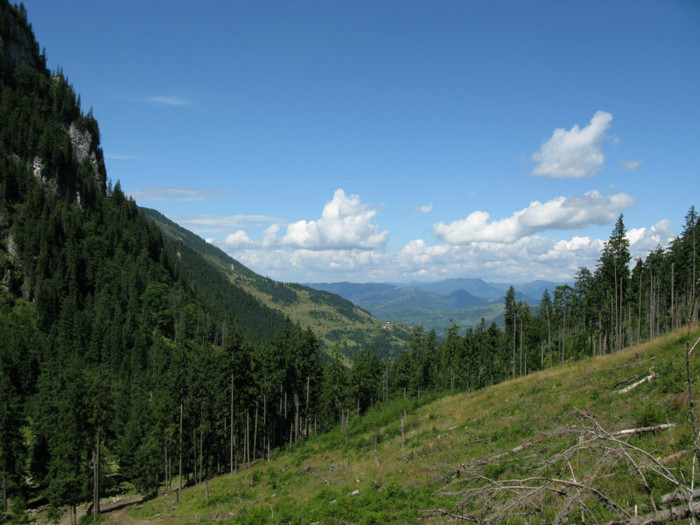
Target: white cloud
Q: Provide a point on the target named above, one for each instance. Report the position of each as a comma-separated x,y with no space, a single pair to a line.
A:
176,194
644,240
164,100
269,239
345,223
211,224
343,244
238,239
426,208
575,153
528,258
561,213
631,164
126,157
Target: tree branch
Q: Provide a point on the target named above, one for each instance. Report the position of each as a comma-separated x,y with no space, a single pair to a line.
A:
651,376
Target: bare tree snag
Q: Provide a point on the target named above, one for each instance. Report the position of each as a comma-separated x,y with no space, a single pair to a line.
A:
403,437
376,457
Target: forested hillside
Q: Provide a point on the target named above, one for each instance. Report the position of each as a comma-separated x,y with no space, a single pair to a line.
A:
601,440
109,355
336,321
127,357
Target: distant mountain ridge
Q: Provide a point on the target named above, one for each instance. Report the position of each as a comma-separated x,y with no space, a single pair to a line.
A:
336,320
436,305
476,287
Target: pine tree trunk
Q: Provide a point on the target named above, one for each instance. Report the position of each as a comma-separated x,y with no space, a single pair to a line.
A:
255,432
179,489
201,453
673,311
514,347
96,486
306,411
549,336
247,439
231,460
4,492
194,453
403,436
266,438
521,347
296,418
639,310
165,465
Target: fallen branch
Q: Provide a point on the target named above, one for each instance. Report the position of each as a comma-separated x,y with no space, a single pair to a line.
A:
483,461
676,456
554,492
679,495
652,462
663,516
441,512
642,430
696,344
624,382
652,375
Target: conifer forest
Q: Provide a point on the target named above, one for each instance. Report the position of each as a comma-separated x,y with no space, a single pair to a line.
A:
119,363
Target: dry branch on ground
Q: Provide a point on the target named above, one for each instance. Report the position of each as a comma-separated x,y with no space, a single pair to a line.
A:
554,492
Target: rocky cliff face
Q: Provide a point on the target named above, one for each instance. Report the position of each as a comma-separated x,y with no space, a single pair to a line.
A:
18,48
17,43
50,140
86,147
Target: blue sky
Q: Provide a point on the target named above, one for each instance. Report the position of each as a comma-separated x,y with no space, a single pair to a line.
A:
395,141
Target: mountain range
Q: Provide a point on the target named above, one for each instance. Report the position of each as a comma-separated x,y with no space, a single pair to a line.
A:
436,305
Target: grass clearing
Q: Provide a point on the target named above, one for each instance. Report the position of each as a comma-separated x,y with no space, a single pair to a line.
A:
463,454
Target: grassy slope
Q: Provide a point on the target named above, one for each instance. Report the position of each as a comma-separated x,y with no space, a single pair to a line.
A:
332,318
452,441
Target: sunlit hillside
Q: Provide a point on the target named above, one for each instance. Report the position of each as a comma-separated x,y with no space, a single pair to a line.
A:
565,444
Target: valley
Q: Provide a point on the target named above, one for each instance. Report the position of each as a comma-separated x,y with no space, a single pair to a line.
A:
149,376
436,306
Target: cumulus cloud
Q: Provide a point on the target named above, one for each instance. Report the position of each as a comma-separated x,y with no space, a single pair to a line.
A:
238,239
575,153
644,240
345,223
426,208
561,213
269,239
528,258
533,257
